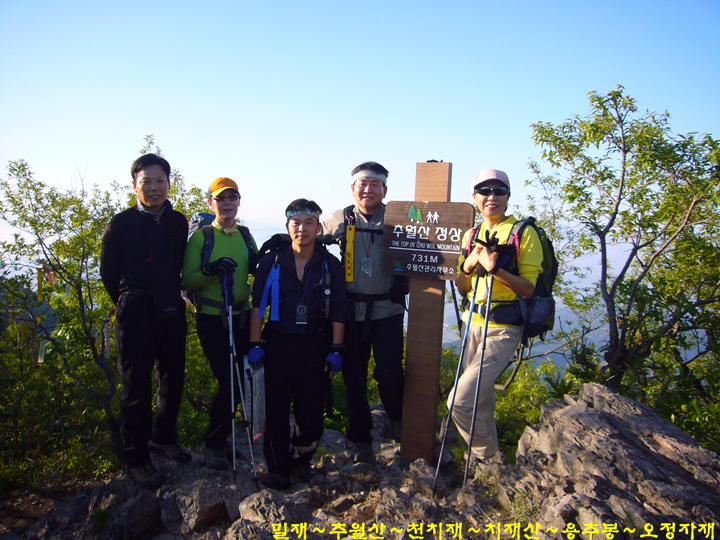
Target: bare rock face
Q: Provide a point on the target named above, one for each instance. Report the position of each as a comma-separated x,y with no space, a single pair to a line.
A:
594,459
603,458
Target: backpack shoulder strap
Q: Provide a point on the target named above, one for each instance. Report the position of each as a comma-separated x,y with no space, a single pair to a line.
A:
325,277
349,219
208,242
252,249
471,239
348,216
516,233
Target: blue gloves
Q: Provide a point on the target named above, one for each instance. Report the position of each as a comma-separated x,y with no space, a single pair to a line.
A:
220,267
333,363
256,357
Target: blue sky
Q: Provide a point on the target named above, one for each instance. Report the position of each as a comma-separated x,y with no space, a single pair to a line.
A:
287,97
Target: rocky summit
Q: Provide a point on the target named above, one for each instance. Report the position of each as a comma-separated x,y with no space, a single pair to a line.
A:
598,466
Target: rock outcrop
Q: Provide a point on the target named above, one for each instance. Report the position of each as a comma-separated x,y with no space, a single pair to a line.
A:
601,459
598,460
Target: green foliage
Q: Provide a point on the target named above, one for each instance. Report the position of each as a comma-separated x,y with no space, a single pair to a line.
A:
639,203
52,407
58,417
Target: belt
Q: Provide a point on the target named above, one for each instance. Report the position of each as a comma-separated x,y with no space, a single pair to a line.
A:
505,312
221,305
358,297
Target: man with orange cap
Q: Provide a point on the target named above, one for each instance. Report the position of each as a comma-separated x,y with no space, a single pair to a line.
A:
225,271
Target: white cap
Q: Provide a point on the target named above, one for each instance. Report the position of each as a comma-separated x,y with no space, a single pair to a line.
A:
491,174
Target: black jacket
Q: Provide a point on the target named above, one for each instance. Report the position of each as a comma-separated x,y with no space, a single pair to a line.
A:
140,255
309,291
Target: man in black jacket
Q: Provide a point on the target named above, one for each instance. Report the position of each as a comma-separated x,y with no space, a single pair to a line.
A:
140,263
300,345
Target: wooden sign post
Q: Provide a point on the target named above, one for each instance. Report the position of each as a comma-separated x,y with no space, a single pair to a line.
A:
424,334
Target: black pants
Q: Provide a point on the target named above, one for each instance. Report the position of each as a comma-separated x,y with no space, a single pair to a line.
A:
144,342
385,337
294,375
215,341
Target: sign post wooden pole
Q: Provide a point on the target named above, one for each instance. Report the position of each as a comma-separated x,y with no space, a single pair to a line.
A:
424,335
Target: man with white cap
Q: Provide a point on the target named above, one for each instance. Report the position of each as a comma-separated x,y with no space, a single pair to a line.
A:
515,275
376,305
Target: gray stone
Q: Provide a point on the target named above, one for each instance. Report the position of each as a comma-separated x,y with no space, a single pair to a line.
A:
594,458
201,504
601,456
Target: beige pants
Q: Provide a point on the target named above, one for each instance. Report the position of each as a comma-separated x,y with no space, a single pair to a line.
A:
499,349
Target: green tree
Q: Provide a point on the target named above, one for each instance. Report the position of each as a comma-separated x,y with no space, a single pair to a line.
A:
52,302
633,209
55,251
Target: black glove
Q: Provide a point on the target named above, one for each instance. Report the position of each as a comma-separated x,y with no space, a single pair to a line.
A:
504,250
273,243
220,267
490,243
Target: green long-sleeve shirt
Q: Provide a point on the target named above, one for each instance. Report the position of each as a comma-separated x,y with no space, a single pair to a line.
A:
233,247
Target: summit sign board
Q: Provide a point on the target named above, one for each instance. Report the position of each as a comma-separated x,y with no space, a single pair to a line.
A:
424,238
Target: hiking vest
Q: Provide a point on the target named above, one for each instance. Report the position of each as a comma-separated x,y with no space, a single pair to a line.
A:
353,248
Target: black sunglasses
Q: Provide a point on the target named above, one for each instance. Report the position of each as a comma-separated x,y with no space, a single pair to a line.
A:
487,190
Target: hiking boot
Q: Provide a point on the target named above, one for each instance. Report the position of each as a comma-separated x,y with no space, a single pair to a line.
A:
172,451
490,464
146,476
215,459
302,471
276,481
363,453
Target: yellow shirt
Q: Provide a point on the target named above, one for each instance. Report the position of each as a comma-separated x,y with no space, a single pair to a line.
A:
529,266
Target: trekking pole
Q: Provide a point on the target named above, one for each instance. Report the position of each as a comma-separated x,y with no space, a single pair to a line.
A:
246,408
479,375
457,377
455,303
228,292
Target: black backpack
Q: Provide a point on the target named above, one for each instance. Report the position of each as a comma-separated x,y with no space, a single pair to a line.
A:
203,220
539,309
279,243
